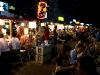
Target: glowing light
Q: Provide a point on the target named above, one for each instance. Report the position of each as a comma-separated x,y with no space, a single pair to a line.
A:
42,24
7,26
60,18
77,22
22,24
42,9
32,24
82,24
74,20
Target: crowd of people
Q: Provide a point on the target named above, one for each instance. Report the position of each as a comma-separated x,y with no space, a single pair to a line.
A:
70,61
10,49
79,61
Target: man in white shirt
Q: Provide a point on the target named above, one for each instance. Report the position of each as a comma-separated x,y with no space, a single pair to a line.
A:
20,29
4,48
59,33
4,43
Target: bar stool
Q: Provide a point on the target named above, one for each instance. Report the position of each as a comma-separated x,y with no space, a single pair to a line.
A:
22,56
28,55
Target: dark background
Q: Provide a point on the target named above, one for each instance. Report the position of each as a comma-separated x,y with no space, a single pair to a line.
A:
87,11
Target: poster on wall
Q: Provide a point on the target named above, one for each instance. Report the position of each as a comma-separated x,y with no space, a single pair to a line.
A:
4,6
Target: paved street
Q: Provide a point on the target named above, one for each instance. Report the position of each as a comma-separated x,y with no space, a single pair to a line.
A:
32,68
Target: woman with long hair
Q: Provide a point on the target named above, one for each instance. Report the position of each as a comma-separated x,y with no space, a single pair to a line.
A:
63,66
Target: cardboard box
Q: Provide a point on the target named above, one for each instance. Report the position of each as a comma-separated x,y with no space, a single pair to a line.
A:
49,55
49,48
42,50
42,58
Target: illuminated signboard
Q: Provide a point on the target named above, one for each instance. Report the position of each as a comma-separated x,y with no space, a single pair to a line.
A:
4,6
42,9
11,7
60,18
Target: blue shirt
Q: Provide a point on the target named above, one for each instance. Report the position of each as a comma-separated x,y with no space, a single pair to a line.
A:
14,43
74,56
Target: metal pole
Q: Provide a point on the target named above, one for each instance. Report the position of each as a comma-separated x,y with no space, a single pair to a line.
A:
10,23
36,9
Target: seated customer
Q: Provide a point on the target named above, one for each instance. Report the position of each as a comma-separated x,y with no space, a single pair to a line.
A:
86,66
25,42
77,52
63,61
87,44
26,45
14,43
5,48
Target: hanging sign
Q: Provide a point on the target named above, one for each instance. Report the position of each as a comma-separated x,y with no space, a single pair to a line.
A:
42,9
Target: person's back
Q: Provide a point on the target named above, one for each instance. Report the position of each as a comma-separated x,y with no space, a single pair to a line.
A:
4,43
59,33
1,48
25,42
14,43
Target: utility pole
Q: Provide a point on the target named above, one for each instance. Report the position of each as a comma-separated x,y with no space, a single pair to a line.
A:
36,9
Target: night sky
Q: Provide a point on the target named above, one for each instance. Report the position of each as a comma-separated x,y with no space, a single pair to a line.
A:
83,10
87,11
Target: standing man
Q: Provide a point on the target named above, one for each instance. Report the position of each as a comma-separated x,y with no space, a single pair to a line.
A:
46,35
55,35
20,29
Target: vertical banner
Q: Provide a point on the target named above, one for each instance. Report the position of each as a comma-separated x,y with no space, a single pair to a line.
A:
42,9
